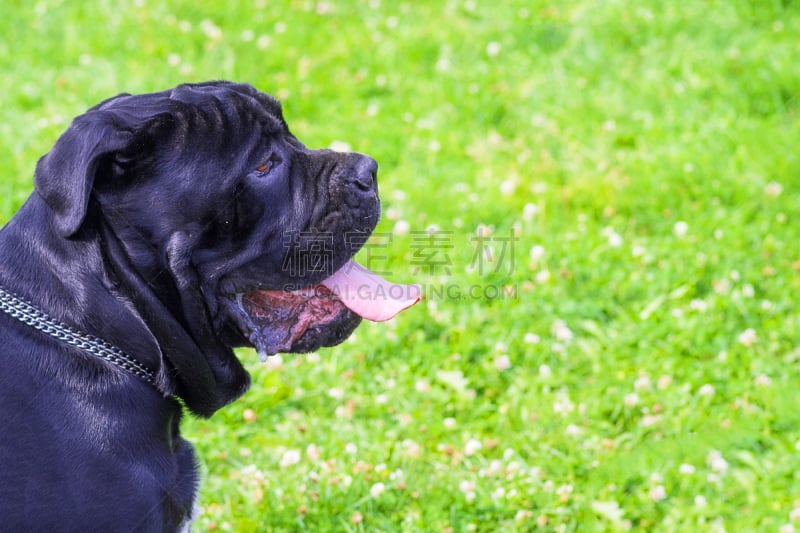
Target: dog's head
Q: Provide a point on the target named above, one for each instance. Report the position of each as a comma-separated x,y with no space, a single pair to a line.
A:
244,234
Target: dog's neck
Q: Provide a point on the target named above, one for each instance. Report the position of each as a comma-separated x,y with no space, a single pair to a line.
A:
94,286
79,293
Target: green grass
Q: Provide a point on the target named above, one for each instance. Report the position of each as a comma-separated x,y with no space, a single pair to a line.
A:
655,145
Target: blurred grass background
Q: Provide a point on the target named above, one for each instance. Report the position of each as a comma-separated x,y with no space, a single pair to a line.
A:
626,171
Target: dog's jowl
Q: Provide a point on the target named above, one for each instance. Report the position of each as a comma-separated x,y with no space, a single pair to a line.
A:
164,231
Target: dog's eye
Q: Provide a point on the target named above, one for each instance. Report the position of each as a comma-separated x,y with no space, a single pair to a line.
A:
267,166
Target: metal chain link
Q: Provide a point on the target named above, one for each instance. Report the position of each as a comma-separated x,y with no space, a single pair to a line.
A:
29,315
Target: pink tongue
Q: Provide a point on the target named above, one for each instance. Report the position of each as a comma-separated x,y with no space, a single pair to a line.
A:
369,295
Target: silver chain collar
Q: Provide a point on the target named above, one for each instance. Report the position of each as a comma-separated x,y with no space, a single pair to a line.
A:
28,314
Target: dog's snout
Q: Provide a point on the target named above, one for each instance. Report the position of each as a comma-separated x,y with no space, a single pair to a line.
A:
365,174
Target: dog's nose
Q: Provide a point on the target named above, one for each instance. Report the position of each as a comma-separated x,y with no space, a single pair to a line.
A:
365,173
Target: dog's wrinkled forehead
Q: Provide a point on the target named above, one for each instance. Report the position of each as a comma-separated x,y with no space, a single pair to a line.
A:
219,104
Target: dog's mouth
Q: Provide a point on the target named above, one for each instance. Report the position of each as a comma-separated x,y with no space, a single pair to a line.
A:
305,319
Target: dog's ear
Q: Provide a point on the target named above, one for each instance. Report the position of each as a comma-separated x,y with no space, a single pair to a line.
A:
65,176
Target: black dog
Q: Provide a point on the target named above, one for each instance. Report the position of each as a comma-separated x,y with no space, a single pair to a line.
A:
165,230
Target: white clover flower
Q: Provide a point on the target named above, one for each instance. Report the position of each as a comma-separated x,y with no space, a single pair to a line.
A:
706,390
422,385
537,252
340,146
466,486
493,48
529,211
251,475
411,448
336,393
642,383
762,380
508,187
472,447
273,362
313,453
700,501
773,189
502,363
564,490
631,400
687,469
716,462
722,286
484,230
376,490
698,305
680,229
563,405
401,227
748,337
650,420
290,457
211,30
324,8
658,493
263,42
543,276
560,331
531,338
